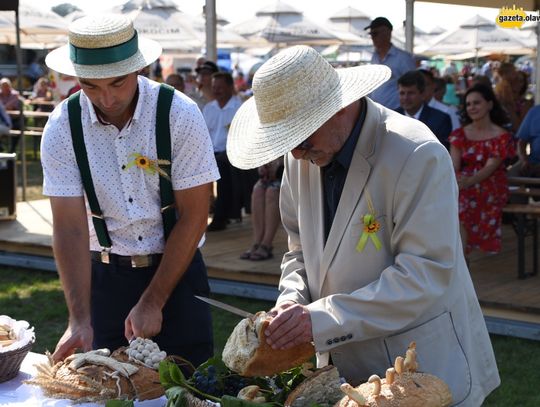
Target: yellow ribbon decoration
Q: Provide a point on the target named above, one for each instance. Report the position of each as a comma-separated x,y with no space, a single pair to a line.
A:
148,165
371,227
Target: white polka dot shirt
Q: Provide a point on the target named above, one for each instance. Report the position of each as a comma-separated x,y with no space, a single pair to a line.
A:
129,197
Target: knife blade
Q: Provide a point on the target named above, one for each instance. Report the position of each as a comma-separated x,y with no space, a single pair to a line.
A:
225,307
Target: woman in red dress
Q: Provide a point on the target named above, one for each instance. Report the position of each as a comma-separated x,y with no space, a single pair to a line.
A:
478,151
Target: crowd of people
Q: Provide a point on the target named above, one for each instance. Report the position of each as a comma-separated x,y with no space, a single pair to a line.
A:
483,117
12,100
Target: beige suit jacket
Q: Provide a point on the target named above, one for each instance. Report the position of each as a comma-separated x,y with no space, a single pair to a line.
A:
367,306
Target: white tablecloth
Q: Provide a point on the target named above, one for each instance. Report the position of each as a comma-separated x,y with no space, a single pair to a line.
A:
14,393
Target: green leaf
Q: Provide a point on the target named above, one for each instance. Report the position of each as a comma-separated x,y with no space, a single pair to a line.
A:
164,375
176,397
176,374
230,401
119,403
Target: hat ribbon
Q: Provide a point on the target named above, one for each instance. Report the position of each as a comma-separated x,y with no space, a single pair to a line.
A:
102,56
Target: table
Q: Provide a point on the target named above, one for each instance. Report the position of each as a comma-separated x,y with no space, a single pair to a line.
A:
14,393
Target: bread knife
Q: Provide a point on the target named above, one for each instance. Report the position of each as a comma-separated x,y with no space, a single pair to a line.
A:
225,307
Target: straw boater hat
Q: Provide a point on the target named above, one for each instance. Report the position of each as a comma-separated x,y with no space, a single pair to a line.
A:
295,93
103,46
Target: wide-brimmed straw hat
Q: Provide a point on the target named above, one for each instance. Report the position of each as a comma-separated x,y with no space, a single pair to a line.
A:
295,93
103,46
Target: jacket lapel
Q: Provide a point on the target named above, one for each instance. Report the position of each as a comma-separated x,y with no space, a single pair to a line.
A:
354,186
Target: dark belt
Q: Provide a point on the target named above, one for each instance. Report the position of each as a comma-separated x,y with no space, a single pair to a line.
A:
146,260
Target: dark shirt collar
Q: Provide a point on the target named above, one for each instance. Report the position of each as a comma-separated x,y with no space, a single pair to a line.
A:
345,155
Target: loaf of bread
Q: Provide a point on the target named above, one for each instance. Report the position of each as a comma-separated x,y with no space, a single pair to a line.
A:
402,387
247,353
321,388
97,376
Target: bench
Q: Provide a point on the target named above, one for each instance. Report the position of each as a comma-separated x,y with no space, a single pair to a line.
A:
526,223
526,218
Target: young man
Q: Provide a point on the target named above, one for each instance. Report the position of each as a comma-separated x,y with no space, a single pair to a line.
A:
122,277
369,202
218,115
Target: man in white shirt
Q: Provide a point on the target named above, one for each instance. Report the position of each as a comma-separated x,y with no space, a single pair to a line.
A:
124,273
218,115
429,98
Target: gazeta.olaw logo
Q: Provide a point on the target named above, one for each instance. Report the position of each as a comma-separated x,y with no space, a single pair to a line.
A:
514,17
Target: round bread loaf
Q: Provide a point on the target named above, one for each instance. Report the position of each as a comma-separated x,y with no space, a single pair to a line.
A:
407,390
321,388
247,353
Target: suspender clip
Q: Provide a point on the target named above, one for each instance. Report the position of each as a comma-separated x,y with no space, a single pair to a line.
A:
105,255
167,207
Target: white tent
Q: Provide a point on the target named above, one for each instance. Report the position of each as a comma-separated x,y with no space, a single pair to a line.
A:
280,23
350,19
39,28
163,22
477,35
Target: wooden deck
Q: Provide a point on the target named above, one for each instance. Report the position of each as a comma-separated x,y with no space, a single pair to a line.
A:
500,292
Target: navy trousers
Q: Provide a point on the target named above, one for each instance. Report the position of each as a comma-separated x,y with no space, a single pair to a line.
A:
187,323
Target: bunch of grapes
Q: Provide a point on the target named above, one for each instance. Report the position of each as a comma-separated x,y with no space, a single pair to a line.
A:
218,382
206,381
233,383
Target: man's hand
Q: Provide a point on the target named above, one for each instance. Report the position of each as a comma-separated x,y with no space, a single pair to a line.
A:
76,336
144,321
291,326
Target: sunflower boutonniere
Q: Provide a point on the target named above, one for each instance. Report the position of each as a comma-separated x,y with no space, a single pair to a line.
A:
148,165
371,227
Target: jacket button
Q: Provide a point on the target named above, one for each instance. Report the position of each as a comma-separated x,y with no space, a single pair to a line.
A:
336,340
329,342
343,338
349,336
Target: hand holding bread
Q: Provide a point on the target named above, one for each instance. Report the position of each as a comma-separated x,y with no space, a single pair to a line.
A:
248,353
291,326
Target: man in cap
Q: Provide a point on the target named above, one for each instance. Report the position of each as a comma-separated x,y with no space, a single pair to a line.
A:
140,157
399,61
372,265
204,93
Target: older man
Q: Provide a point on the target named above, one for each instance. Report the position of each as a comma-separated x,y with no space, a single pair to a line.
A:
9,97
369,202
399,61
412,100
128,166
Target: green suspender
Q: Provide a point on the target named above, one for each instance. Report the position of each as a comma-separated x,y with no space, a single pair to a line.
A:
163,145
75,124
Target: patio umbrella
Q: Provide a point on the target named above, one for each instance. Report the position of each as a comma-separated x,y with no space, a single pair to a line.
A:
39,28
478,35
350,19
278,22
162,21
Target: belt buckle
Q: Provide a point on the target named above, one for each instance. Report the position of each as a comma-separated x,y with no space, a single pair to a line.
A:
140,261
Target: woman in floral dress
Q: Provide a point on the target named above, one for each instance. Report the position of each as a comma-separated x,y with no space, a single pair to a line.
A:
478,151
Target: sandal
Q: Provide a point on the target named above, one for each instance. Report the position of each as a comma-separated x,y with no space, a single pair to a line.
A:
247,254
262,253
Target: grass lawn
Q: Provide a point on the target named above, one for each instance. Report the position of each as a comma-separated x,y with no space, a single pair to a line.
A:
37,297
